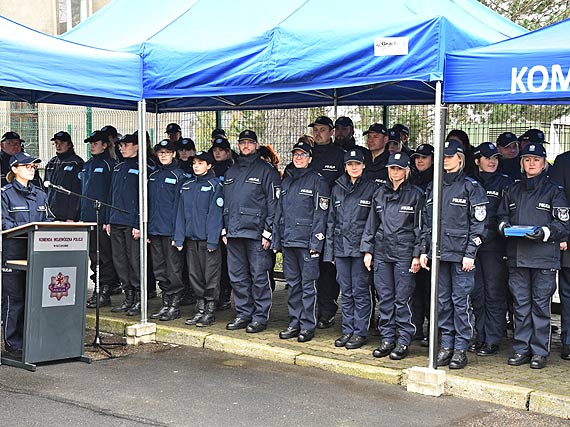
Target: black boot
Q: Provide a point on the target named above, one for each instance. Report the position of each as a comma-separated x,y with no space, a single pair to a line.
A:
173,311
105,297
208,319
136,307
127,303
163,309
92,301
200,310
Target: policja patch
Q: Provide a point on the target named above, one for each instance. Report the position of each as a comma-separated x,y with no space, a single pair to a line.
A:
562,214
480,212
323,203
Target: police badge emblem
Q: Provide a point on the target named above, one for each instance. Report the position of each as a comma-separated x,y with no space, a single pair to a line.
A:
324,203
563,214
480,212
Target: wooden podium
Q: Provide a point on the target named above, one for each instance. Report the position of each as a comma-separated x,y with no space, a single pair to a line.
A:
57,271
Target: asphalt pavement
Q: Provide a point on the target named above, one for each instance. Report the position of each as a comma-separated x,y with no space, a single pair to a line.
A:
184,386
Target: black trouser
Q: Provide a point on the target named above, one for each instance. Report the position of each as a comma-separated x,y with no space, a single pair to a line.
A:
327,290
204,269
225,285
421,299
13,293
167,262
107,273
127,256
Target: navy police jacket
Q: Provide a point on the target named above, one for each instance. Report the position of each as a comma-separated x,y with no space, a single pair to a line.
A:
95,183
21,205
5,168
163,190
376,167
495,185
251,188
199,213
349,210
538,202
392,231
328,160
301,218
64,170
463,218
124,193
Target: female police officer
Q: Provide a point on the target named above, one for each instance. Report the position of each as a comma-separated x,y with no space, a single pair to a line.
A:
299,231
351,199
463,217
534,258
392,238
22,203
490,292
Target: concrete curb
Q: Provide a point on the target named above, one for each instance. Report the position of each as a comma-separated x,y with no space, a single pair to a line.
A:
375,373
502,394
545,403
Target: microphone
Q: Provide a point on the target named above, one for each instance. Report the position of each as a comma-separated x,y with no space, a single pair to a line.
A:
59,188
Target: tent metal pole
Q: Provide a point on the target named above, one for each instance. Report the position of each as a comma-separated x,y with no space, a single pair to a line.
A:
436,226
335,103
219,119
386,115
156,132
143,211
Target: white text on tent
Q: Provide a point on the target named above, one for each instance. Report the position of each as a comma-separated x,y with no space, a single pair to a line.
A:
539,78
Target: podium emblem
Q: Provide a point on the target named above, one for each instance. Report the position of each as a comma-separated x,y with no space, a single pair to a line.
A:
59,286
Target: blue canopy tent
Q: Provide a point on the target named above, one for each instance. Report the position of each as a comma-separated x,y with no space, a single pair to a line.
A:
36,67
531,69
223,54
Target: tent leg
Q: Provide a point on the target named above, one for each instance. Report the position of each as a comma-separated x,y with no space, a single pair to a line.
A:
143,210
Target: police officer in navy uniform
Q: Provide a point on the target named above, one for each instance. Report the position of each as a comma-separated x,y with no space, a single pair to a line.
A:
377,140
186,150
63,169
95,183
163,190
391,243
405,138
351,199
489,295
11,143
251,188
560,174
299,232
510,161
534,258
463,221
328,160
22,203
422,176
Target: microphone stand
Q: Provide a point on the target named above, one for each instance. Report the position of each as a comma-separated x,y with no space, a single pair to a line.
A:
97,343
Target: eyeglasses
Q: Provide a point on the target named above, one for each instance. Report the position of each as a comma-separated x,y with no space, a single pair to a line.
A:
301,155
31,166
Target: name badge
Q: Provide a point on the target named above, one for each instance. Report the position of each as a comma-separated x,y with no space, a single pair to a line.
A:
134,171
170,180
68,168
205,188
98,170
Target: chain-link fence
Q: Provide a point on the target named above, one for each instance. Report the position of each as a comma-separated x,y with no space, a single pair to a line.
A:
281,128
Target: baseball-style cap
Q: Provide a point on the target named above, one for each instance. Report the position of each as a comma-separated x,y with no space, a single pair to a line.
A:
62,136
423,150
344,122
11,135
167,144
534,149
304,147
205,156
376,128
486,149
354,156
221,142
452,147
248,134
218,132
402,128
533,135
398,159
97,136
394,135
322,120
110,130
506,138
22,158
130,137
173,128
186,144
